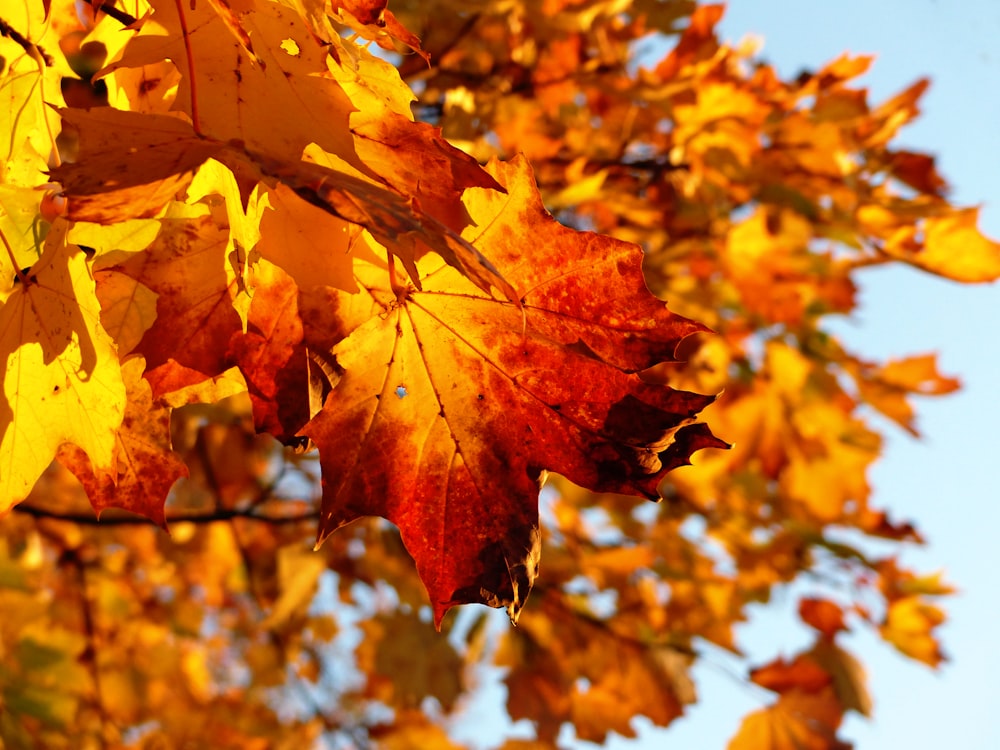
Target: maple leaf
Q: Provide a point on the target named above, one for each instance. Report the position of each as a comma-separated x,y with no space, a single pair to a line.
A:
195,318
109,185
128,308
847,674
566,665
957,249
452,405
909,626
28,83
376,22
147,467
271,355
294,229
887,387
273,97
414,159
801,674
797,721
404,667
756,201
62,381
824,615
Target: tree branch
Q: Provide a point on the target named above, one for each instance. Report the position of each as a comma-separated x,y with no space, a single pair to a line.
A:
26,44
220,514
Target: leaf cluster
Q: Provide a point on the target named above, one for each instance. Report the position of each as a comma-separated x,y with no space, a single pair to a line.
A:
238,232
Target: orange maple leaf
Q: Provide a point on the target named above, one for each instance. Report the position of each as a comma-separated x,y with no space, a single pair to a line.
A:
274,97
195,318
147,467
453,405
272,357
797,721
108,185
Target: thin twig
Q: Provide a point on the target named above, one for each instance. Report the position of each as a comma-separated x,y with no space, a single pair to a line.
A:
90,655
109,9
192,78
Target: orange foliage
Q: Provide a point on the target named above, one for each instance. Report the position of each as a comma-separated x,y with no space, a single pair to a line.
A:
234,232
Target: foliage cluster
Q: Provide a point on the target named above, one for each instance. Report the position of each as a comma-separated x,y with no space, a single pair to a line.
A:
236,232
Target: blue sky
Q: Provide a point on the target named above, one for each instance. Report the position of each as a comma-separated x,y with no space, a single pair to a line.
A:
945,482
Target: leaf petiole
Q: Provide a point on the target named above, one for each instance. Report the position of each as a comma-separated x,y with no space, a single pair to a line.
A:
19,274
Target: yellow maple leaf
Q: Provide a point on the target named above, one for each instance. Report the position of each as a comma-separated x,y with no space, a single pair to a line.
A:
909,626
955,248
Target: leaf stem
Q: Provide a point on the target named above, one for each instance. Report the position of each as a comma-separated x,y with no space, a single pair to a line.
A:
195,120
13,261
400,290
38,55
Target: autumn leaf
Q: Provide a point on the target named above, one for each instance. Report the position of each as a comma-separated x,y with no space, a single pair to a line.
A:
129,188
414,159
250,204
311,244
108,184
456,404
376,22
272,356
406,663
391,219
955,248
128,308
412,728
802,674
273,97
888,387
909,626
146,466
298,574
186,266
822,614
849,681
797,721
22,230
563,667
365,11
28,85
216,187
62,381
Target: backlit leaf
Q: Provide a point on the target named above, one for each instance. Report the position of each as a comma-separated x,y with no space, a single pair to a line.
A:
186,266
467,402
62,380
909,626
797,721
146,466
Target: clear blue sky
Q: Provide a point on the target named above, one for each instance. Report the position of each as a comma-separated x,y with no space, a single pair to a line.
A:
946,482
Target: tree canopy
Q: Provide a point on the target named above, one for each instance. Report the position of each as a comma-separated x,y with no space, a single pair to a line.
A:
452,292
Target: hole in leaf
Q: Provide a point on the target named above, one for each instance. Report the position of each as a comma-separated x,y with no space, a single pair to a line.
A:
401,391
290,46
